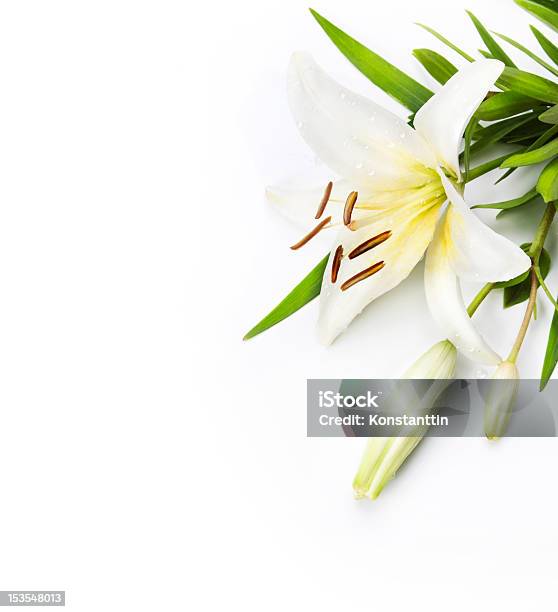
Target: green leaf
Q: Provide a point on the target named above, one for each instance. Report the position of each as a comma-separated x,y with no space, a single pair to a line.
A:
498,131
301,295
524,199
550,116
529,53
530,158
468,136
528,84
551,356
547,45
446,42
530,129
520,291
542,9
542,140
435,64
490,42
386,76
548,182
485,168
507,104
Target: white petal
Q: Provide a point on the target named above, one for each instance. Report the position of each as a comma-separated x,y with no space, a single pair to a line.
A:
443,119
477,252
401,253
446,304
356,138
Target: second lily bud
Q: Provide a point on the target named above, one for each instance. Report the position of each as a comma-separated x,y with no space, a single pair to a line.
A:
384,456
500,402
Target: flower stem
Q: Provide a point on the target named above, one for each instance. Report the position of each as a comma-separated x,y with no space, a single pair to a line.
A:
536,278
545,287
542,233
526,319
479,299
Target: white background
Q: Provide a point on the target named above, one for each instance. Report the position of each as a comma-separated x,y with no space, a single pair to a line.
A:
149,459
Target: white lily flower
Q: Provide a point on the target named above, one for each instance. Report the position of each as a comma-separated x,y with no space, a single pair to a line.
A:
500,401
389,203
384,456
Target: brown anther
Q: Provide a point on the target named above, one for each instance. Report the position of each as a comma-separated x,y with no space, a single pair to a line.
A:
370,244
349,207
311,235
325,200
362,275
336,264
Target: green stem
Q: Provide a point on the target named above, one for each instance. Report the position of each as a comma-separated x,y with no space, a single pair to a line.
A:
536,278
526,319
542,233
475,173
545,287
479,299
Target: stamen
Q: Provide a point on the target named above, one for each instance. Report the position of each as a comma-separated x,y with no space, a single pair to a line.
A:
362,275
311,235
336,264
370,244
349,207
325,200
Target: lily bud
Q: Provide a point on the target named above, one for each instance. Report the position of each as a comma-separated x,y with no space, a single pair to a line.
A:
500,402
384,456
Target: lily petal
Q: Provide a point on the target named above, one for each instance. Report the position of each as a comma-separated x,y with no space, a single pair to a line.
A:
445,300
443,119
300,205
478,253
356,138
401,252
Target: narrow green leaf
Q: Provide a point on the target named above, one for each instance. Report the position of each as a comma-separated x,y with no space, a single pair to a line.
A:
529,53
519,292
498,131
524,199
446,42
531,129
529,84
468,136
542,140
490,42
386,76
530,158
507,104
547,185
493,164
544,10
435,64
301,295
551,356
547,45
550,116
526,134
